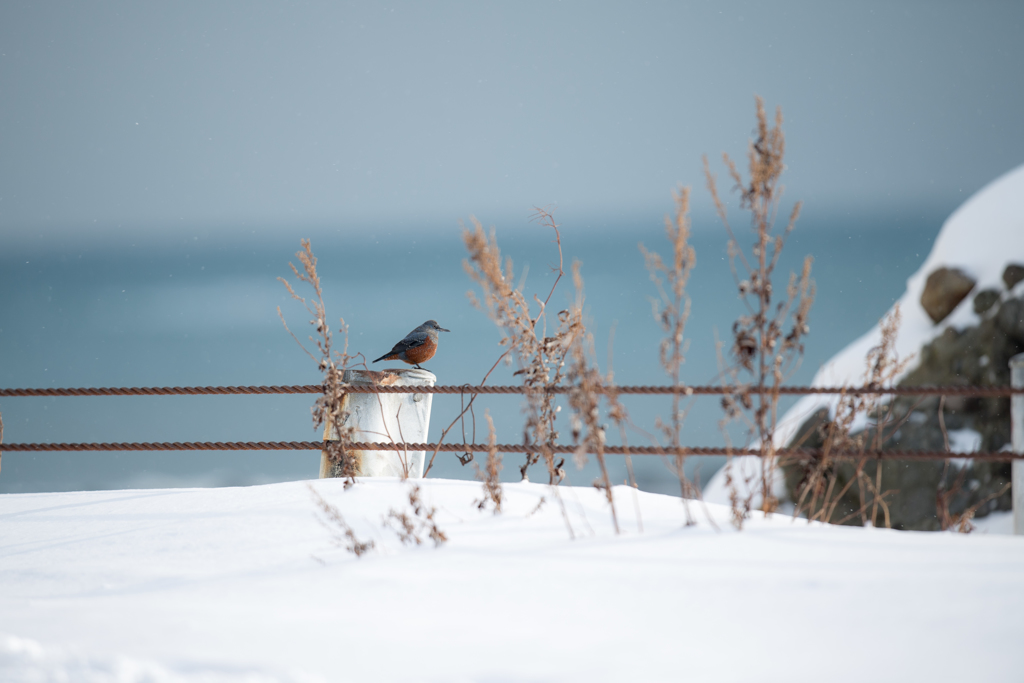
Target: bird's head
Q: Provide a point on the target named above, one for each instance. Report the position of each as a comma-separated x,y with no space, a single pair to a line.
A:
432,325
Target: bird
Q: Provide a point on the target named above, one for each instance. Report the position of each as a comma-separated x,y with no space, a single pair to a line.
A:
418,346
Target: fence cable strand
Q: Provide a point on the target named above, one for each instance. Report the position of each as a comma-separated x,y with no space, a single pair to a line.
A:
951,390
797,453
956,390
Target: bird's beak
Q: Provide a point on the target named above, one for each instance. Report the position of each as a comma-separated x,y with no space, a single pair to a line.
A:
443,330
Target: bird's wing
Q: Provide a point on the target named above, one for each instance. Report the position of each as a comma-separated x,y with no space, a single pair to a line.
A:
411,342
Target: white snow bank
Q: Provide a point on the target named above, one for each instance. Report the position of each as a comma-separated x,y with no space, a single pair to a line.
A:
28,661
222,585
980,238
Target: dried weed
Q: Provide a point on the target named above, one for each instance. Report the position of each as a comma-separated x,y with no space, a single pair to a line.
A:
768,339
672,309
585,395
818,495
490,475
417,524
947,492
341,533
540,358
329,407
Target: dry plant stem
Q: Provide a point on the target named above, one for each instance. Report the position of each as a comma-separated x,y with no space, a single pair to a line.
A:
543,217
618,415
860,512
540,358
490,476
876,503
404,453
944,496
536,509
588,389
411,528
458,417
606,486
672,309
768,340
818,498
631,481
328,409
341,533
963,520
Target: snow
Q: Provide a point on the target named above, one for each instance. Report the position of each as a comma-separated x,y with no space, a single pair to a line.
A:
980,238
243,584
964,440
994,523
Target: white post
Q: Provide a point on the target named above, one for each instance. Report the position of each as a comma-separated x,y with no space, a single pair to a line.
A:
1017,429
388,418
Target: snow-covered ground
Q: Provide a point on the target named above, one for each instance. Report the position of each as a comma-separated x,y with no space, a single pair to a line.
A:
243,584
980,238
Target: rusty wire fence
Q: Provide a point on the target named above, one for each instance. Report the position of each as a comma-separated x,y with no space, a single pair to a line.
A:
474,390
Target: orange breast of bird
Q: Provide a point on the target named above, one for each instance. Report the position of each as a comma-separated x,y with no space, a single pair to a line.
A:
421,353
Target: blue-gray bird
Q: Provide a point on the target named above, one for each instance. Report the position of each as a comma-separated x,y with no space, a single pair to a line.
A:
418,346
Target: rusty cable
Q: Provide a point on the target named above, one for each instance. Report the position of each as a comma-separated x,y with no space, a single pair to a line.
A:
967,391
951,390
167,391
804,453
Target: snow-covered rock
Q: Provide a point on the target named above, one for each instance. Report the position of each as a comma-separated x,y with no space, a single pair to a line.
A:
980,238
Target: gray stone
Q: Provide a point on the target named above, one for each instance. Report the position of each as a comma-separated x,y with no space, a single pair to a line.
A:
1013,274
985,300
1011,319
943,291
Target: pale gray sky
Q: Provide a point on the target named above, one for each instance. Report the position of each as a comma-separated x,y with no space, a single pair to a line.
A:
198,115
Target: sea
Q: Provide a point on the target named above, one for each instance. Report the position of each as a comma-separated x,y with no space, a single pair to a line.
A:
197,309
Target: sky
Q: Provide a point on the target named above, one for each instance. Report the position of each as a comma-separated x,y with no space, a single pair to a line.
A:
156,120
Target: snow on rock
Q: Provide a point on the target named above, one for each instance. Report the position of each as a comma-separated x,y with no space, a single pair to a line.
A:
980,238
243,584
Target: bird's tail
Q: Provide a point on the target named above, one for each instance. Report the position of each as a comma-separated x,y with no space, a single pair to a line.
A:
386,356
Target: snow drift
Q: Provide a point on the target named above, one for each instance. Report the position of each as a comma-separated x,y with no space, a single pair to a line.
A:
242,584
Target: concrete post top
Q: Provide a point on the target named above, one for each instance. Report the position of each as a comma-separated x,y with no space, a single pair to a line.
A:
1017,361
389,378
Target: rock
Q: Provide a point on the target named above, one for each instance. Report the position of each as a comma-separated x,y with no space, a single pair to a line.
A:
1010,319
943,291
977,356
1013,274
985,300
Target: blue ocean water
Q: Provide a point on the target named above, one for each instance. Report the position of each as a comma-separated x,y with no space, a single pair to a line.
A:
203,312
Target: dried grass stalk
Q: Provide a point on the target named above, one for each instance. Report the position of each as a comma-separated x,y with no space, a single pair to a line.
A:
947,492
820,487
329,408
540,358
490,475
417,524
341,533
672,309
588,389
768,340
